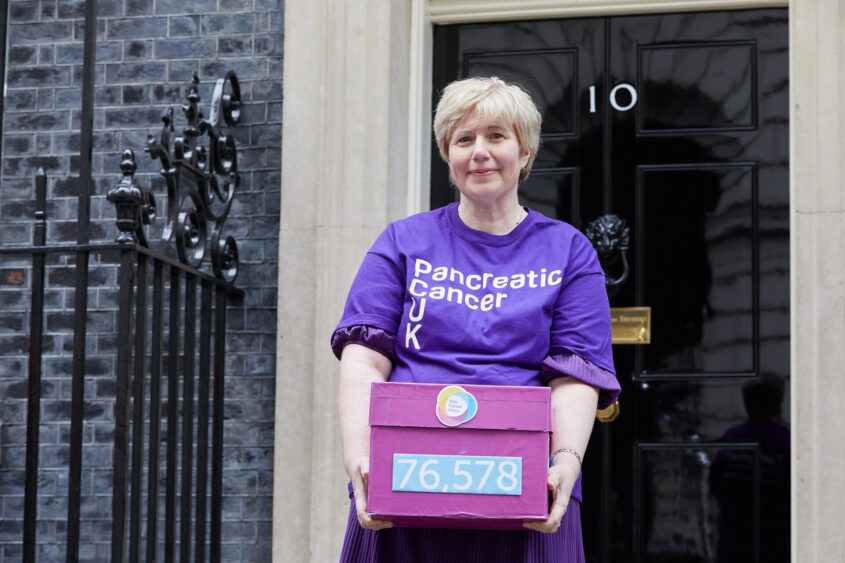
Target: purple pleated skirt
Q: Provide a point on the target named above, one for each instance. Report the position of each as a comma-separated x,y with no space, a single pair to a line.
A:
447,545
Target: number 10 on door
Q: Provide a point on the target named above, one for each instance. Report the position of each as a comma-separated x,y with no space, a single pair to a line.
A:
614,99
478,475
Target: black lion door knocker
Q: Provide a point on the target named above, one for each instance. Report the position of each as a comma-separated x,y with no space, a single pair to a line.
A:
610,236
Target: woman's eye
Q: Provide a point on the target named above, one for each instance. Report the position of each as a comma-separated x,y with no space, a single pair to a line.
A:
463,139
496,136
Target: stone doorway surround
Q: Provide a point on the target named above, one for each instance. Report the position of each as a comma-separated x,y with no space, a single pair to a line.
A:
356,126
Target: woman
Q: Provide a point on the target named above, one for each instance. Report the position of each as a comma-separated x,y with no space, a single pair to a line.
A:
483,291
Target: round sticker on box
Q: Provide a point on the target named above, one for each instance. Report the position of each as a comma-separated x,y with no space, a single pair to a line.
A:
455,406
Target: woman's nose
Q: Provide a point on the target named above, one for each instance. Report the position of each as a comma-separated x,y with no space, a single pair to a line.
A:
479,150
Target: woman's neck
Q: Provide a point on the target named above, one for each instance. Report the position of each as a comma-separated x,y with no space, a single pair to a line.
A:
493,220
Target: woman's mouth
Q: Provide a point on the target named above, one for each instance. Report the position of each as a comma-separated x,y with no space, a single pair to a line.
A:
482,171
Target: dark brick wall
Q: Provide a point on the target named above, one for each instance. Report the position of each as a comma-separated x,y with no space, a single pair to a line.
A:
146,52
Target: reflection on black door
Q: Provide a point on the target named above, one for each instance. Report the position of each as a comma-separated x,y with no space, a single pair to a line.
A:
678,124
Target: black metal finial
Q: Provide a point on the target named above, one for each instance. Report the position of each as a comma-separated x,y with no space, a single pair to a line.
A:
40,196
191,109
193,91
127,164
127,197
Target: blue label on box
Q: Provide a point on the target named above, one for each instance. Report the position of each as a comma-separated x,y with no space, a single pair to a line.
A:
467,474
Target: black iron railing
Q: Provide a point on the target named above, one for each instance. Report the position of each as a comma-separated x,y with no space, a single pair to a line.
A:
153,270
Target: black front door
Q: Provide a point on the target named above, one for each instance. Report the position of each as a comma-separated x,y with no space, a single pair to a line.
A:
677,124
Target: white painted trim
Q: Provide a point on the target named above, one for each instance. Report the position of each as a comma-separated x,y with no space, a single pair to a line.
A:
419,110
465,11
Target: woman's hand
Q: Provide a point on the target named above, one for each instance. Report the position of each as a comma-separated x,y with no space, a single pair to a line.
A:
359,367
562,477
573,412
359,474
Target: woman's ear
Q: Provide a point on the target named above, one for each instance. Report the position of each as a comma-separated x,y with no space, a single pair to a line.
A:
523,160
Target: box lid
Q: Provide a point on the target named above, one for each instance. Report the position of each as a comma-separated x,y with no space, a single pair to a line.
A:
432,405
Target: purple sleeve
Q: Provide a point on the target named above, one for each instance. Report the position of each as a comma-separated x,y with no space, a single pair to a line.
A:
581,316
371,337
568,364
378,292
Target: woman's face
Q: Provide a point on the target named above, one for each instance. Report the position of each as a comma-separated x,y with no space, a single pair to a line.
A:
485,160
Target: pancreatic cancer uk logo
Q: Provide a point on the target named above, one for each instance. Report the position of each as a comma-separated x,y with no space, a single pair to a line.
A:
455,406
479,292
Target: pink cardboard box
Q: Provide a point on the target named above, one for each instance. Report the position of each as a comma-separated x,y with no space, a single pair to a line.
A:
471,456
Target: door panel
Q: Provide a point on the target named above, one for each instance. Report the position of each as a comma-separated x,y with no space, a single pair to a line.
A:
678,124
555,100
553,194
697,87
700,218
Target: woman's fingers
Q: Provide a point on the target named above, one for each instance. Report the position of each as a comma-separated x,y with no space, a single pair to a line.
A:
360,482
359,487
552,523
373,523
560,492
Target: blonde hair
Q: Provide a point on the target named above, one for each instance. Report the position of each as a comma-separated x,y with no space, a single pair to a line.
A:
489,97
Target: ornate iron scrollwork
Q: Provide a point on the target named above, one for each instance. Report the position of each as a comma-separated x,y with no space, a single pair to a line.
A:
610,236
200,182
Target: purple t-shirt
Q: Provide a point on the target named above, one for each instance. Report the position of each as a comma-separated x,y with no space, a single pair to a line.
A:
467,307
